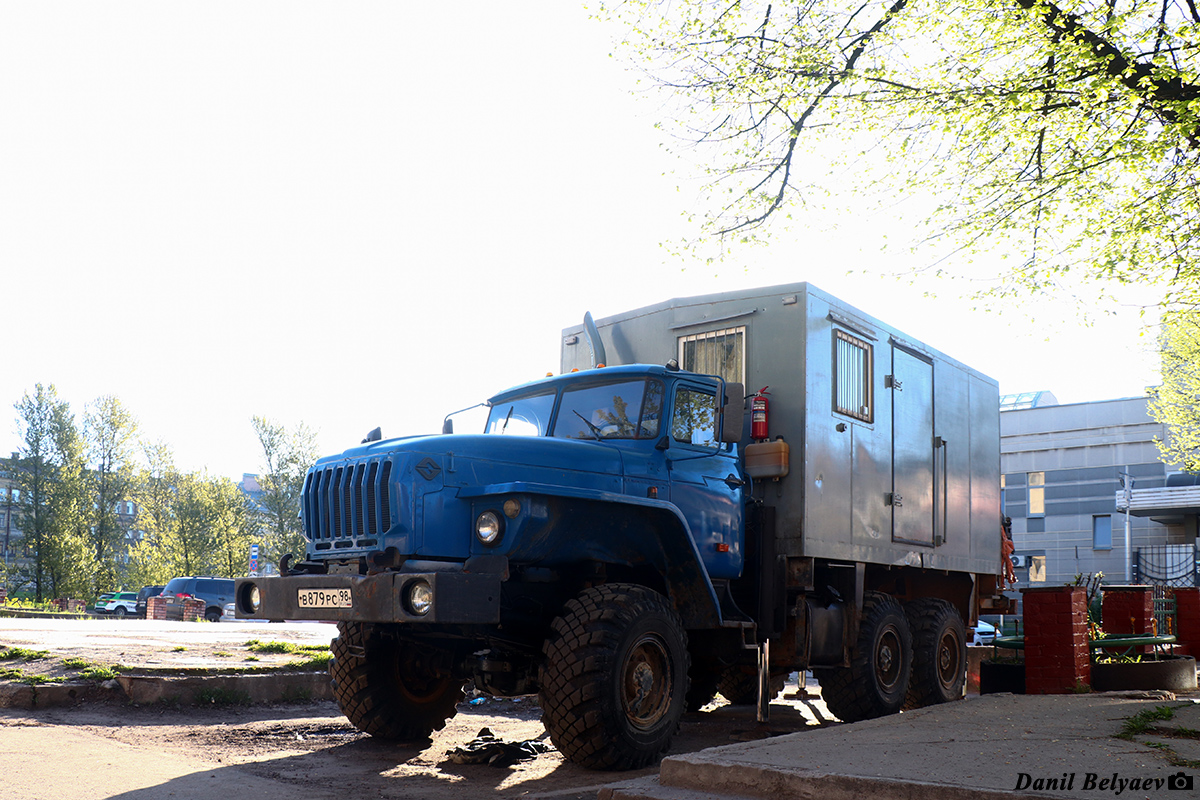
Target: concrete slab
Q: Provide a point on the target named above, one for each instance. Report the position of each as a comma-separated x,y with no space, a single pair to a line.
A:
995,746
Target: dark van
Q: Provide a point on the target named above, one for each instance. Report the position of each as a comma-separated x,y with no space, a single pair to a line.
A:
215,592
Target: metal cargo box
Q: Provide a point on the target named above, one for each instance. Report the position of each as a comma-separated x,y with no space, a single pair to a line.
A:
895,447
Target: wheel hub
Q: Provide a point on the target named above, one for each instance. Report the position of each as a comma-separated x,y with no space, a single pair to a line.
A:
647,684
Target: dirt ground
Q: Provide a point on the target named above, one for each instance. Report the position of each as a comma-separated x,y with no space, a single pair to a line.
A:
106,750
312,751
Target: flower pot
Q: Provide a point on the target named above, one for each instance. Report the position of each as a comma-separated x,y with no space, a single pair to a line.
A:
1173,673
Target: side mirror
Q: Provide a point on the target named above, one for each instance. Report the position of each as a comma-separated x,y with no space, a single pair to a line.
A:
733,413
447,425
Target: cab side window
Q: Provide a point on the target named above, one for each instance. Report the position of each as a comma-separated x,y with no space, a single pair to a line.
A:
695,417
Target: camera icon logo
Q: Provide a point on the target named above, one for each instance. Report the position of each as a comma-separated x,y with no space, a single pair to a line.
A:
1181,781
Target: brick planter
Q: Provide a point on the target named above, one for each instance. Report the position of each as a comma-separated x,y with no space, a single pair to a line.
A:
1056,641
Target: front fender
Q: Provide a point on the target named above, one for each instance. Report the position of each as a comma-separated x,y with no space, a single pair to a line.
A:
559,526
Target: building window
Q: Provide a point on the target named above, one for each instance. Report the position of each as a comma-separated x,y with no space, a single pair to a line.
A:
852,377
720,353
1102,532
1037,494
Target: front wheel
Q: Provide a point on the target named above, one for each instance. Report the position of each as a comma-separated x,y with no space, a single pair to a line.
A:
876,682
390,688
615,677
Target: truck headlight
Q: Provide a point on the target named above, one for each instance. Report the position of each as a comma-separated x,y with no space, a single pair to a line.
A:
420,597
489,527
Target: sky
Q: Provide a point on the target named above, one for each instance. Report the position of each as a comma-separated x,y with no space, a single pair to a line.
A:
352,215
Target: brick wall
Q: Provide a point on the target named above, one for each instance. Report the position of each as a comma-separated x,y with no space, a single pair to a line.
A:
1128,610
1056,643
1187,620
193,610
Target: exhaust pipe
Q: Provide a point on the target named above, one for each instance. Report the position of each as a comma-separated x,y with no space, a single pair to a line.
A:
593,339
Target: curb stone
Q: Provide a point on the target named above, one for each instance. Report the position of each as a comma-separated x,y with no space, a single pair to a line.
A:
188,690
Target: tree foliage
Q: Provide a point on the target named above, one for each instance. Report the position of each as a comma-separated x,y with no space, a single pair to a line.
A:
1176,402
1062,131
53,505
192,523
75,489
287,455
110,433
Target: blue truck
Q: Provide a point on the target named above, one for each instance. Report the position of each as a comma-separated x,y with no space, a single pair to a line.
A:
628,540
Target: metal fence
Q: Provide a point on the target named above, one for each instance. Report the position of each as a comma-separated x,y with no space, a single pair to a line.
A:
1167,565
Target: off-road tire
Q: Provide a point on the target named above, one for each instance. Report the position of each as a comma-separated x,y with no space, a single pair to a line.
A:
939,644
739,685
876,682
614,678
390,688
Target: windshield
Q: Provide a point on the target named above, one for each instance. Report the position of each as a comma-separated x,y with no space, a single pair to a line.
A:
524,416
625,410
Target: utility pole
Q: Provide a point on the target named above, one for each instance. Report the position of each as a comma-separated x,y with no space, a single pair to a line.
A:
1127,482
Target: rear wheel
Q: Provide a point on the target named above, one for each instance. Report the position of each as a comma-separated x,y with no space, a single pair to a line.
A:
615,677
939,639
213,615
121,611
390,688
739,685
876,682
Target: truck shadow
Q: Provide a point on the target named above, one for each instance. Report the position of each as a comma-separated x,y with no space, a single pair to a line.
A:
342,763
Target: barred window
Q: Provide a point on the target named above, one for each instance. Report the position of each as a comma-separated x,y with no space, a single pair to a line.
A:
852,377
720,353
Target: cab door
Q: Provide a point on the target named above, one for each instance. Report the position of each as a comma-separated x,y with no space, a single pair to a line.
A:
705,483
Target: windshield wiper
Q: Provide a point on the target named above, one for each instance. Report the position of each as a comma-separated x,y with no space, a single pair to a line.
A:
507,417
595,431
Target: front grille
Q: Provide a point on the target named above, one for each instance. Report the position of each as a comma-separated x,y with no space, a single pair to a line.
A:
347,505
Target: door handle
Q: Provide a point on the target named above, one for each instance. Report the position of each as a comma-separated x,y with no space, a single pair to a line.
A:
733,481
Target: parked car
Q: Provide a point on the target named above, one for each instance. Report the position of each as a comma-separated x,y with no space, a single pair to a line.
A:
144,594
121,604
215,592
101,602
985,632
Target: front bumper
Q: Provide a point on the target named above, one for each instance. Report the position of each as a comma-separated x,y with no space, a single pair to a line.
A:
458,597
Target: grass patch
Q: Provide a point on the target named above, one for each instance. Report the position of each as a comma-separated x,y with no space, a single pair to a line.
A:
99,672
1143,721
20,676
222,654
222,697
178,649
256,646
313,661
76,663
22,654
253,658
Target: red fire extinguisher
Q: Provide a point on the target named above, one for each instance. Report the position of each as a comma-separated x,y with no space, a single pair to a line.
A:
759,414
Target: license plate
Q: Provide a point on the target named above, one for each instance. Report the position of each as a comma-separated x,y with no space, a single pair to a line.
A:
324,598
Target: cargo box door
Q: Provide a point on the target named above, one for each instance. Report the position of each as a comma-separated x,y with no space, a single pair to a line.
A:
911,385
